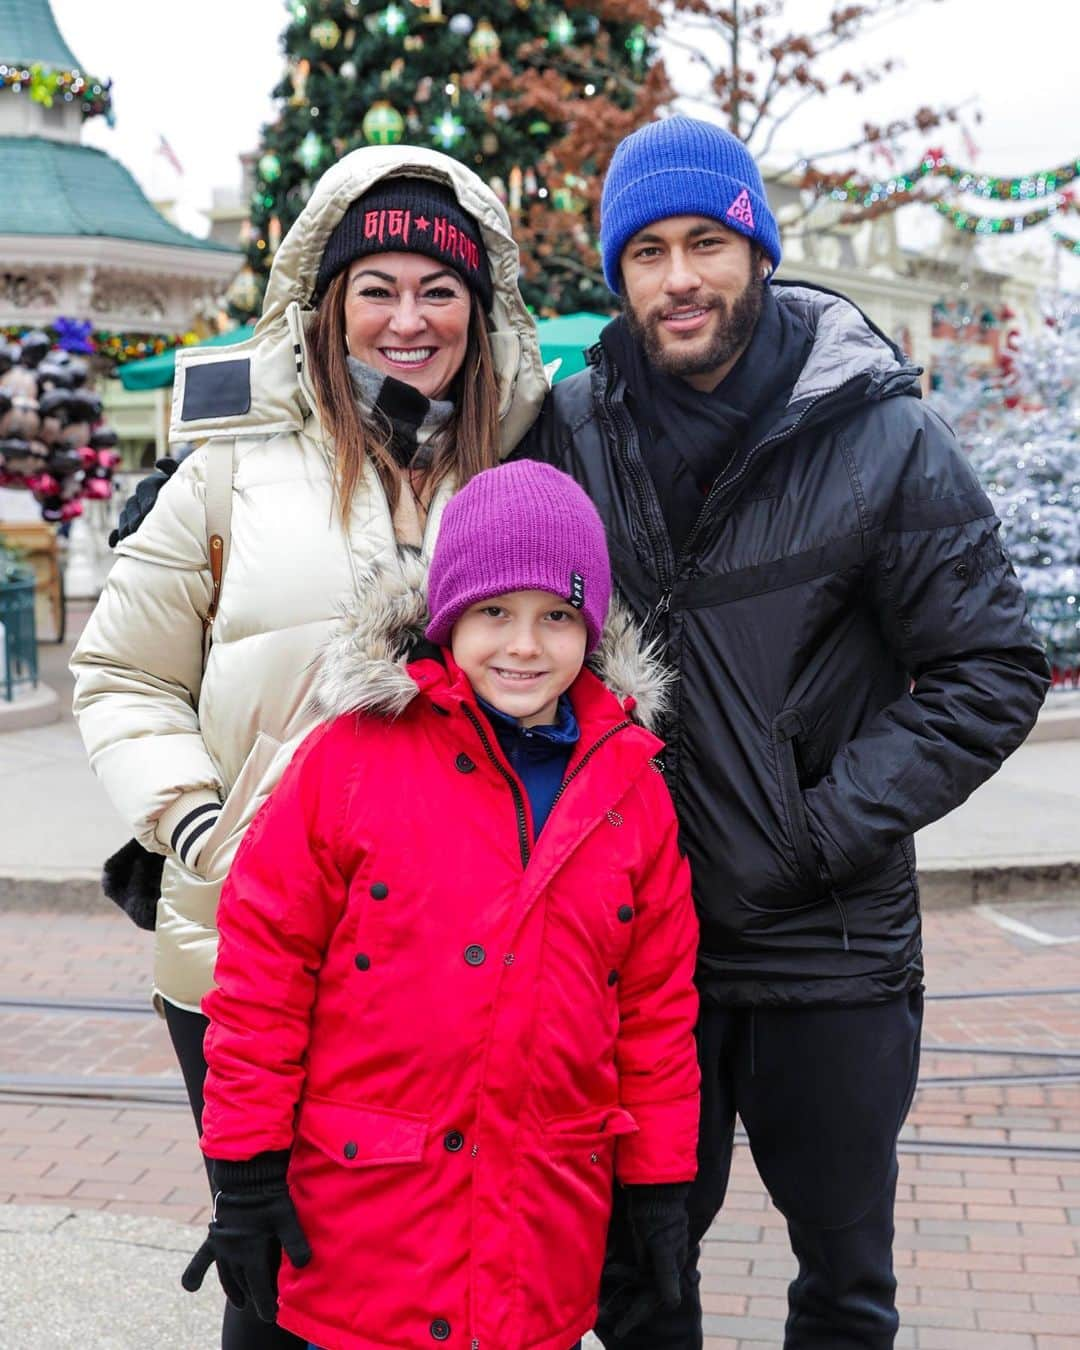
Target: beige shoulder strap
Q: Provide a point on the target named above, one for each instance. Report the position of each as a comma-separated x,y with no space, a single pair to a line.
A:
219,482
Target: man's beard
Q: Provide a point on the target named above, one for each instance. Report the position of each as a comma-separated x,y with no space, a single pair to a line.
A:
734,327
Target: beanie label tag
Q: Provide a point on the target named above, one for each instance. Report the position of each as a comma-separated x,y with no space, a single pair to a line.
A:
741,210
577,590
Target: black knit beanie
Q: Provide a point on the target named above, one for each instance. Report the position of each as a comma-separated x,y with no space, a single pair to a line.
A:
409,215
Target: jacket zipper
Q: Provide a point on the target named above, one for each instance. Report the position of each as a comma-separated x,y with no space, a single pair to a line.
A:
721,485
519,806
511,781
611,731
625,439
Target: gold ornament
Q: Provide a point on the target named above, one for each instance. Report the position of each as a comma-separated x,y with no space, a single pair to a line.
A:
326,33
484,44
298,75
243,293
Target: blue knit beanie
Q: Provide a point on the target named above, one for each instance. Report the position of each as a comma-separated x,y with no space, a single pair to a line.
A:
682,167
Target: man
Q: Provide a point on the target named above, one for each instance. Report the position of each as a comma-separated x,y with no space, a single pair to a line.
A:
853,659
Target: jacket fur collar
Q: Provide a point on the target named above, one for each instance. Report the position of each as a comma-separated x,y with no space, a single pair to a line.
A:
365,667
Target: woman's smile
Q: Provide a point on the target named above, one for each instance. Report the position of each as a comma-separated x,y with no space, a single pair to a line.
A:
407,315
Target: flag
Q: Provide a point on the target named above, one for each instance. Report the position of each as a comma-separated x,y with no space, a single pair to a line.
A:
165,149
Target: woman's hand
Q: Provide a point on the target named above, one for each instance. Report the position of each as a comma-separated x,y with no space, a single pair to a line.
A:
253,1222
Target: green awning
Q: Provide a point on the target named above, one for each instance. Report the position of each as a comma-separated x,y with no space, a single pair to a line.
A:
569,336
156,372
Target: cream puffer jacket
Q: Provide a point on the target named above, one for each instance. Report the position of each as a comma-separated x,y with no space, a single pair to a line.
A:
165,735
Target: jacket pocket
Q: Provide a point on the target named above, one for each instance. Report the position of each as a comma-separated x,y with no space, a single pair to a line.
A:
257,778
786,729
586,1132
562,1207
362,1136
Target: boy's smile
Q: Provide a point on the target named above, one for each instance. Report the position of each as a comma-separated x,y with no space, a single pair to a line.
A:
520,651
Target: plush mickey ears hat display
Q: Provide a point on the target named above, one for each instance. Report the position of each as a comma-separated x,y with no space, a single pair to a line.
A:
409,215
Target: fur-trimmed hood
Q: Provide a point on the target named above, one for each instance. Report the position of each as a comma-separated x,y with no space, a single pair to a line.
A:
365,667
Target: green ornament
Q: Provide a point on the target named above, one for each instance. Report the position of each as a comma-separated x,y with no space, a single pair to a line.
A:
326,33
635,43
298,9
561,31
448,130
392,20
539,128
43,85
382,124
270,167
310,152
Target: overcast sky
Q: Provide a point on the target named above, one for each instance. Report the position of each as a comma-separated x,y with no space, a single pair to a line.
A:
200,74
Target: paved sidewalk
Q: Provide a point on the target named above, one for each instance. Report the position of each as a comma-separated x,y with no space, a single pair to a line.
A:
101,1201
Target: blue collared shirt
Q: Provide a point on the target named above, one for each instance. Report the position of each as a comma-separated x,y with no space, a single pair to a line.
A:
538,755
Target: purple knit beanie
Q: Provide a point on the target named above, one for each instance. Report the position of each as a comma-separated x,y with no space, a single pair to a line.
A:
519,527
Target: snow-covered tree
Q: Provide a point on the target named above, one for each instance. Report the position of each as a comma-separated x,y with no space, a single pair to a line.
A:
1021,427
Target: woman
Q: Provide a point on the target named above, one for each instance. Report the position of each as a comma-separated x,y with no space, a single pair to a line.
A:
394,360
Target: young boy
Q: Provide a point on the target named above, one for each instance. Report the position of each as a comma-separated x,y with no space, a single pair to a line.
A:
454,988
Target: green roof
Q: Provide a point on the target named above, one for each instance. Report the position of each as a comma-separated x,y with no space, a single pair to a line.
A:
156,372
28,33
69,190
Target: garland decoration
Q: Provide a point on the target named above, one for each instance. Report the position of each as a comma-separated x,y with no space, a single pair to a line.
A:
973,223
47,85
935,164
118,348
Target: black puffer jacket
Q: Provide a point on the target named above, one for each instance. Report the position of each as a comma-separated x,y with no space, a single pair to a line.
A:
853,649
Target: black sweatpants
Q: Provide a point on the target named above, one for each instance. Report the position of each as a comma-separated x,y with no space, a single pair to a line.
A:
241,1329
822,1093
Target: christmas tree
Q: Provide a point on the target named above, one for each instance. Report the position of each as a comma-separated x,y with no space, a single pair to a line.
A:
531,95
1021,425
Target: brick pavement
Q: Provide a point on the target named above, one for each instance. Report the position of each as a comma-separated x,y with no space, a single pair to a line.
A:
988,1245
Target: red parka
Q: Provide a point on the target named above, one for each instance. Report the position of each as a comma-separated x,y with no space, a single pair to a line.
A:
458,1029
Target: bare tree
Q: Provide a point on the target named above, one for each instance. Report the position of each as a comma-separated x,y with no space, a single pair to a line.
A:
762,73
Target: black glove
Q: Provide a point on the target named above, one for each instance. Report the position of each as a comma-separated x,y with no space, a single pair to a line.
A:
661,1229
253,1221
131,878
141,502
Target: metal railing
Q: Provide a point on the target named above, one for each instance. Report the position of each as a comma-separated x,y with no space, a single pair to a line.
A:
18,657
